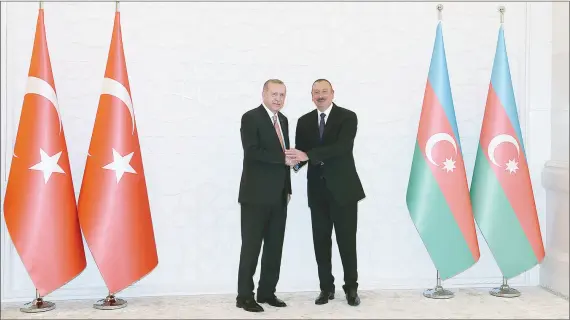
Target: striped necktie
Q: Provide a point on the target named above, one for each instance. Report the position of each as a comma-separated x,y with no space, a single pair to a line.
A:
278,131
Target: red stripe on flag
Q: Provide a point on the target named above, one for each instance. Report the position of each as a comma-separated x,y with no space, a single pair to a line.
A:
516,181
453,183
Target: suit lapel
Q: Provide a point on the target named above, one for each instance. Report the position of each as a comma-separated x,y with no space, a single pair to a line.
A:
314,127
282,124
331,121
269,125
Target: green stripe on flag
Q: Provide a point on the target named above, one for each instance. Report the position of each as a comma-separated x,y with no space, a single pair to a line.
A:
435,222
498,222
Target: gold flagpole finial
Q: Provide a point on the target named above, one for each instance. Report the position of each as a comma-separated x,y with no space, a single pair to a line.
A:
439,10
502,11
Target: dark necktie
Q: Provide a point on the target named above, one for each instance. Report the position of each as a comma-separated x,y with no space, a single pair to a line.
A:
322,126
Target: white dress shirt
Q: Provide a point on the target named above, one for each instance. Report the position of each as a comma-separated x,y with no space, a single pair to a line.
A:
326,112
271,114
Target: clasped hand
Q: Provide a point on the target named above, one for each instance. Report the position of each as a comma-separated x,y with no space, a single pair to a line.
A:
294,156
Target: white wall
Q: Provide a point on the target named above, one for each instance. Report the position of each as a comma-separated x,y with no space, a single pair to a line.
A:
554,274
196,67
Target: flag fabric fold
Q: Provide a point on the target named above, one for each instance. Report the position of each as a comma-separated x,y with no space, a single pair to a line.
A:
114,209
39,204
501,190
438,195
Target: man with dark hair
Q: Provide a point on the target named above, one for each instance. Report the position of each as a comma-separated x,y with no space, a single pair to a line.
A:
265,190
324,140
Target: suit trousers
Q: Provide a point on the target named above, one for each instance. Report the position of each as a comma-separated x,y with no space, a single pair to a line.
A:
261,223
327,213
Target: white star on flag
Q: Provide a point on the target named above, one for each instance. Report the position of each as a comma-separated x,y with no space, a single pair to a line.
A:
120,164
48,165
448,165
512,166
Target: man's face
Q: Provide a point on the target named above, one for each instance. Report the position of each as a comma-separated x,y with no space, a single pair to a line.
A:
323,94
274,96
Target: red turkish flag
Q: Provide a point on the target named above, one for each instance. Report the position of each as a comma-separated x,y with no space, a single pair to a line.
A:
39,206
114,209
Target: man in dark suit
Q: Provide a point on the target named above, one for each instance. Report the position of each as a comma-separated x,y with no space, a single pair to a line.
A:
324,141
264,193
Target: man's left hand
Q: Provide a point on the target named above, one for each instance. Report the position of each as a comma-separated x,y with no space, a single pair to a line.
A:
289,161
297,154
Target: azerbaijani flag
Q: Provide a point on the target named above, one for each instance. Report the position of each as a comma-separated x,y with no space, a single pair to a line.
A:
438,194
501,192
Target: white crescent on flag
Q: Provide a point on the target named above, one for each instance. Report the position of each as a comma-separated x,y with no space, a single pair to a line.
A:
117,90
41,87
433,140
496,141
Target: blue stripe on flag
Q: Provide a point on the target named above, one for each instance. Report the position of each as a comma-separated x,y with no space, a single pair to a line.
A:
501,82
439,80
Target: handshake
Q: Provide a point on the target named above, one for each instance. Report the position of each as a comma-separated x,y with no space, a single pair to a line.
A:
294,156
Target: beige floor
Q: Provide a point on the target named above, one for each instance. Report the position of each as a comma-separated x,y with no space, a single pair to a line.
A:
467,303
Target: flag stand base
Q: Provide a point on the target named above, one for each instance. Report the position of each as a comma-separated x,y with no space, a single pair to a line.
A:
38,305
110,303
505,291
438,292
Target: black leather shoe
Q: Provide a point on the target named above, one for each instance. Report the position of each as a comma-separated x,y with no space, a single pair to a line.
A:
352,297
324,297
273,301
249,305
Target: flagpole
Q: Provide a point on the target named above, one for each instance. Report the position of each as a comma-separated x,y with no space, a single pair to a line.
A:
438,292
504,291
502,11
111,302
38,305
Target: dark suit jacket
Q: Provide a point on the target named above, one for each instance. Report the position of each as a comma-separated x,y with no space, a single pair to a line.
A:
332,160
265,177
